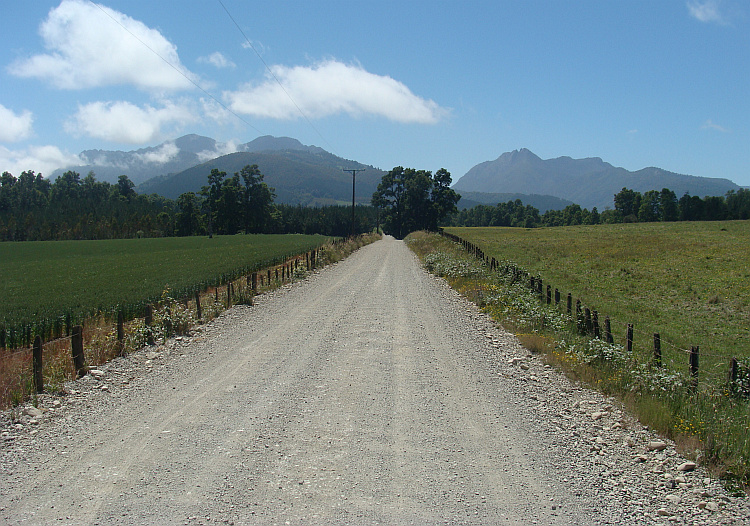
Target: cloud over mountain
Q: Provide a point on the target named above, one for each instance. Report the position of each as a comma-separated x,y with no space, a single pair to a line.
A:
124,122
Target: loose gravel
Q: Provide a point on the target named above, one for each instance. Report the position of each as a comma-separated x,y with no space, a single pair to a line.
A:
369,393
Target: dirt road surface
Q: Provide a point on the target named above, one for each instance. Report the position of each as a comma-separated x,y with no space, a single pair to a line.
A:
368,394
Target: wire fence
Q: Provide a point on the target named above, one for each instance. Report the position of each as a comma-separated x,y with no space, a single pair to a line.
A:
706,367
23,371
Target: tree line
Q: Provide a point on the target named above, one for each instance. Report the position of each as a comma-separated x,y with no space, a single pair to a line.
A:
630,206
33,208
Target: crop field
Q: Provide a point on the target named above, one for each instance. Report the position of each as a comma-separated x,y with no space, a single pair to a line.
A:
689,282
43,281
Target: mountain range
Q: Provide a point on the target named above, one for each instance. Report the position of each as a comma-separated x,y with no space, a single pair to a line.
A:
311,176
300,174
588,182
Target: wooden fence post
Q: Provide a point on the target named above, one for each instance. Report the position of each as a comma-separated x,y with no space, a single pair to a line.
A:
694,365
254,278
595,321
733,371
588,321
629,339
76,343
148,321
557,297
570,303
229,294
549,294
37,359
657,349
198,311
269,277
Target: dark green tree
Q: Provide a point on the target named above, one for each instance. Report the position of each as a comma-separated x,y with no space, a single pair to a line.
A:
188,217
628,203
669,209
414,200
211,194
258,209
738,204
649,210
125,187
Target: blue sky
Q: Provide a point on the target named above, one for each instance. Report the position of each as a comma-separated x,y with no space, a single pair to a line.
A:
412,83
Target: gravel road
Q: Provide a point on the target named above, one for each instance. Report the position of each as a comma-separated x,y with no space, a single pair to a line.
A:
370,393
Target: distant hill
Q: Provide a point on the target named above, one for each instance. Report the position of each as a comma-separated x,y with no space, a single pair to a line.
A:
306,176
171,157
540,202
301,174
588,182
145,163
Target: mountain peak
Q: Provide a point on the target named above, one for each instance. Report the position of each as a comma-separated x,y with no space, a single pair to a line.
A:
193,143
271,143
588,182
518,156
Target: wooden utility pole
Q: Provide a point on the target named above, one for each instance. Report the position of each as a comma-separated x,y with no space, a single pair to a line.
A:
354,176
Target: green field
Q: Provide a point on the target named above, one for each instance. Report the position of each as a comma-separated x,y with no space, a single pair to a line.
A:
45,280
690,282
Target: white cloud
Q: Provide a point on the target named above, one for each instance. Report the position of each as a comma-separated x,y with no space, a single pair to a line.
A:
218,60
216,112
41,159
710,125
124,122
90,45
224,148
15,127
166,153
331,88
706,11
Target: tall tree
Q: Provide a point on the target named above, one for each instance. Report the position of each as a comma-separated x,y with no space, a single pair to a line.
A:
414,200
669,209
212,193
649,210
188,218
628,203
257,200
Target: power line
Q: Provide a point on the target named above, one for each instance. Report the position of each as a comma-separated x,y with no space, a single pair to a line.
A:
249,43
175,67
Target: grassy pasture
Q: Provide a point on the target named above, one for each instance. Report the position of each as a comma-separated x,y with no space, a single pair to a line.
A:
687,281
690,282
48,279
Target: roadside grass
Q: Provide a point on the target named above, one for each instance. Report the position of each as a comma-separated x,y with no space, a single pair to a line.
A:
173,315
709,422
689,282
